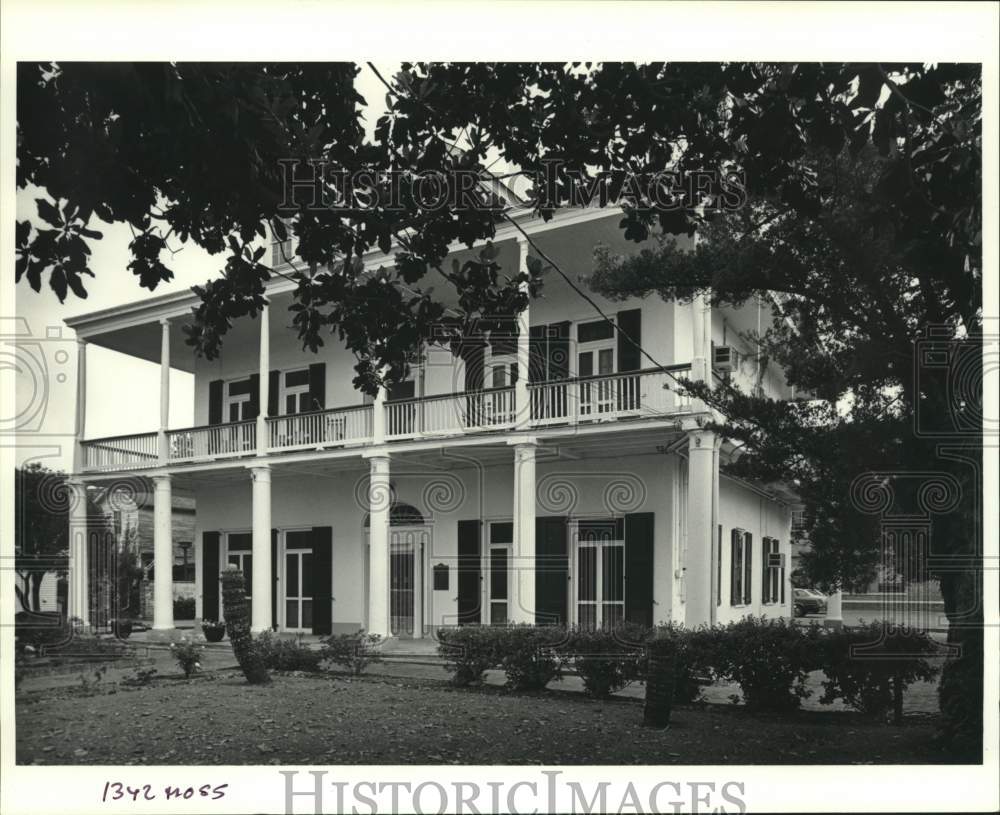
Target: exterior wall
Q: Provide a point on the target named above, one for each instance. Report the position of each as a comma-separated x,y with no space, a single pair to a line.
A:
743,508
578,489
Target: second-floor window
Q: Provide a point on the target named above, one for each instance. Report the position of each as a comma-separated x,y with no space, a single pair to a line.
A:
295,392
238,400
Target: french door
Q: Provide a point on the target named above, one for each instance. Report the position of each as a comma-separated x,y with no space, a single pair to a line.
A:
599,569
298,565
499,583
597,396
239,555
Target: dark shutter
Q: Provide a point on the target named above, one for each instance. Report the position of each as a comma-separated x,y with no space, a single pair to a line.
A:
401,390
765,572
551,571
718,570
273,392
215,401
735,566
274,579
781,578
538,353
629,355
317,386
639,568
474,355
468,572
254,396
321,580
558,351
210,575
748,574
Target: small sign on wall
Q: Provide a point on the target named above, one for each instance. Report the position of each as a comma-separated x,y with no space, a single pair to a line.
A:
441,577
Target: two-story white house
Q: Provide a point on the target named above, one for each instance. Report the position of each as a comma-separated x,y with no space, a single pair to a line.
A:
551,475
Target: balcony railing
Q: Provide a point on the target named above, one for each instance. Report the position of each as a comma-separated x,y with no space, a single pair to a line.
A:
121,452
215,441
580,401
324,428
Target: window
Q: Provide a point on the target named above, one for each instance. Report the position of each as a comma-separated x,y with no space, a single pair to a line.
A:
238,400
740,587
773,585
295,392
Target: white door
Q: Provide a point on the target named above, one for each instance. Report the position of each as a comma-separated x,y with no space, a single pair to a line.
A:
597,395
599,576
296,581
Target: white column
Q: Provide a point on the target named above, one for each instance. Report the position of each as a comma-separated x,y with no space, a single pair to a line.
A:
163,555
263,392
81,404
522,596
522,405
379,502
701,531
262,586
715,553
79,583
378,417
834,610
164,389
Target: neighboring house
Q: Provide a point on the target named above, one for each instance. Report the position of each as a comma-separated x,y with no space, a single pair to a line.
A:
547,475
129,513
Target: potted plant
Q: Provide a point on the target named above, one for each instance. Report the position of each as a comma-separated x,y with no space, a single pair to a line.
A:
213,630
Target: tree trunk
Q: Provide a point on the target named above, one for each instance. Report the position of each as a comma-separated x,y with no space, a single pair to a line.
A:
960,693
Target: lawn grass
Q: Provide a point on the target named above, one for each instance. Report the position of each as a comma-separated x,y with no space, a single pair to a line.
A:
220,719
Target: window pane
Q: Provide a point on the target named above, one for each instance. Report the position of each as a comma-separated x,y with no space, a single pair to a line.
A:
614,614
290,404
498,376
234,560
585,365
307,614
606,361
598,330
498,574
307,560
586,584
234,411
498,613
291,613
613,574
292,575
502,532
248,573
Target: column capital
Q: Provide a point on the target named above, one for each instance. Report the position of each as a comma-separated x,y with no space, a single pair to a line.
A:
81,340
702,440
260,472
161,478
522,441
165,322
375,453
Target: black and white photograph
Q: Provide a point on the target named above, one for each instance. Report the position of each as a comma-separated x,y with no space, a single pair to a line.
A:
459,410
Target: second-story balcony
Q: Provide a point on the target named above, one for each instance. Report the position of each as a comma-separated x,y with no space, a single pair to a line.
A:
576,402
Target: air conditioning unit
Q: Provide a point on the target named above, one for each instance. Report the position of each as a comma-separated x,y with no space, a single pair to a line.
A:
775,560
725,358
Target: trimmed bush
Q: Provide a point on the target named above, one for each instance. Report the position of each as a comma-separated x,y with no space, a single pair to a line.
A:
355,652
529,655
769,659
694,655
607,660
870,666
237,612
469,651
183,608
287,654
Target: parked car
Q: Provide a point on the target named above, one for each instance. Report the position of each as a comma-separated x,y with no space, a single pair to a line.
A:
808,601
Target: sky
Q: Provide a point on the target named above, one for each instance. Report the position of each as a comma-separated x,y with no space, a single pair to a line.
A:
38,354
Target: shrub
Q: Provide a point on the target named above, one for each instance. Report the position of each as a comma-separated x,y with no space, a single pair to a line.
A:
469,652
870,666
237,613
769,659
529,655
355,652
188,655
183,608
693,657
607,660
284,654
